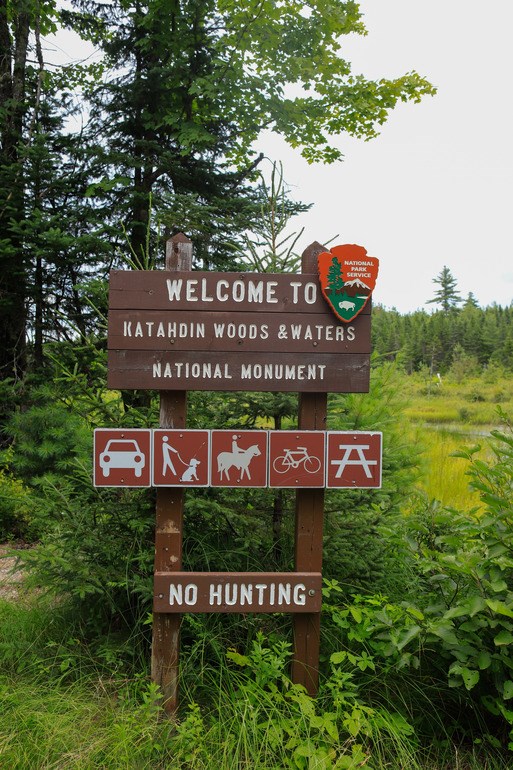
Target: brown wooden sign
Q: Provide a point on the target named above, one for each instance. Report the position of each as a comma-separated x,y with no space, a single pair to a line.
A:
231,331
237,592
325,372
236,331
220,292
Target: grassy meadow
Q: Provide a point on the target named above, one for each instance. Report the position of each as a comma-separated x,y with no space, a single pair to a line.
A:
446,415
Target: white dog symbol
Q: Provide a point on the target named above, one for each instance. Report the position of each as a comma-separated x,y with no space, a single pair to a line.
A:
189,473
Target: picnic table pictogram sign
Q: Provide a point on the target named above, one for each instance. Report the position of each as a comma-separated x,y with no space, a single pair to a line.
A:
177,330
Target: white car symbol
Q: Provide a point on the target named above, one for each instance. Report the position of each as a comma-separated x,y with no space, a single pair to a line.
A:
122,453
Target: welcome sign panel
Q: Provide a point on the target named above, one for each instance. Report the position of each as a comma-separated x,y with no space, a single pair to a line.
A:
231,331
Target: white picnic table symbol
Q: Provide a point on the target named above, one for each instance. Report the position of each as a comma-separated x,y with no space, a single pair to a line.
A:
361,460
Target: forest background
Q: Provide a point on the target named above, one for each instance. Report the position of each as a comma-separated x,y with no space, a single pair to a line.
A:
417,619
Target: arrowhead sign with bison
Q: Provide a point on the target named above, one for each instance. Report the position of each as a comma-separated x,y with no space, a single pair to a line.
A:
347,277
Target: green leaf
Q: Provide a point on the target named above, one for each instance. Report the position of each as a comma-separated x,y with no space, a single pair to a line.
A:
507,691
499,607
502,638
240,660
406,635
470,677
338,657
484,660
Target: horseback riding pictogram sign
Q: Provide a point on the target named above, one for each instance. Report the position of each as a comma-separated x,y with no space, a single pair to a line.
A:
238,458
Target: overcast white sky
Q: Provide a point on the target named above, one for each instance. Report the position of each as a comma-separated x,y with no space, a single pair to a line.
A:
435,188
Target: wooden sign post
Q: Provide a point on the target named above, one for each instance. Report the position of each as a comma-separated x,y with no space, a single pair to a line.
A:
178,330
309,530
169,522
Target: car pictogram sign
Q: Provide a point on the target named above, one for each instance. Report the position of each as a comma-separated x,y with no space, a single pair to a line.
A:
122,458
353,460
238,458
296,458
181,458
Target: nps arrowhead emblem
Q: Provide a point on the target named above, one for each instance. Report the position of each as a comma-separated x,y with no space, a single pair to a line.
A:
347,277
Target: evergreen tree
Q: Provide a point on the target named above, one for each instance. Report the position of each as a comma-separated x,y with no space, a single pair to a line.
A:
447,295
191,85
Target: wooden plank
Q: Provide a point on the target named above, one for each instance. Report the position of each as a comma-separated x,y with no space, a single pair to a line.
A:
237,592
169,524
236,331
309,533
323,372
214,291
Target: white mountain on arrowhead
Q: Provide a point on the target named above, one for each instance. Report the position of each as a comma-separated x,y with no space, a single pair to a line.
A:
356,282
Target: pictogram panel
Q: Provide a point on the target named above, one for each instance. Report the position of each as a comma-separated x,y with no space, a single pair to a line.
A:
238,458
353,460
297,458
181,458
122,458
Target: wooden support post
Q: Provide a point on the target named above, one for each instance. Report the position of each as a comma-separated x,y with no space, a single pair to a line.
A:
309,529
169,522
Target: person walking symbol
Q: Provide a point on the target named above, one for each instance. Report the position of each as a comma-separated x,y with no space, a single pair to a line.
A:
167,451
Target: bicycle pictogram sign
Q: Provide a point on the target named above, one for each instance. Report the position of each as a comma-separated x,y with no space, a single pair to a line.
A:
296,458
354,460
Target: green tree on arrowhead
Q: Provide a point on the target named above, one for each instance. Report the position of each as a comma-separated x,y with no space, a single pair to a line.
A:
335,279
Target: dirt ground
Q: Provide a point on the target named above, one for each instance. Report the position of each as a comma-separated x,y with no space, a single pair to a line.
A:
9,579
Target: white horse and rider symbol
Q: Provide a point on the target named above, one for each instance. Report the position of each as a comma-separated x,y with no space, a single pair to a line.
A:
239,459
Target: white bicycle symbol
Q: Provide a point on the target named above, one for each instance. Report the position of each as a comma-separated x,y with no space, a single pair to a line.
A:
293,458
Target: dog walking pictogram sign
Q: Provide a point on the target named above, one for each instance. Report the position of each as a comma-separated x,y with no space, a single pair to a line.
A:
181,458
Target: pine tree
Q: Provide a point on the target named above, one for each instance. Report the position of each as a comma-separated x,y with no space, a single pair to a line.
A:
447,295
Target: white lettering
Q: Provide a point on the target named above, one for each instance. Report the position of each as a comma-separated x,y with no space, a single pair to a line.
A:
230,600
299,594
175,594
310,293
222,296
271,298
284,593
260,588
174,289
256,291
246,594
191,594
204,296
191,288
216,594
295,291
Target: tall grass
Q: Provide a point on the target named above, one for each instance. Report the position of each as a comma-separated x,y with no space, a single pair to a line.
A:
442,476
